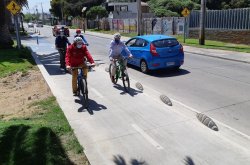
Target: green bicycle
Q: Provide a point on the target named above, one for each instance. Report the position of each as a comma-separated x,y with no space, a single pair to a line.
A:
121,72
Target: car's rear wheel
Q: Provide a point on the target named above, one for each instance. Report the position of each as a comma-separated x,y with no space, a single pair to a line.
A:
144,66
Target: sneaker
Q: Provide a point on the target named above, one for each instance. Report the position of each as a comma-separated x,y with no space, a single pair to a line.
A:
62,67
75,94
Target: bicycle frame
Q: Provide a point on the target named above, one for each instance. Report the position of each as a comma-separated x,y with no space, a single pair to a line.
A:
119,68
121,74
82,86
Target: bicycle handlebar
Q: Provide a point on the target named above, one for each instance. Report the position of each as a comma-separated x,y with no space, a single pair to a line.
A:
78,67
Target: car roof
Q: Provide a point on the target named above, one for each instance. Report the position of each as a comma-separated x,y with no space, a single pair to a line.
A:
154,37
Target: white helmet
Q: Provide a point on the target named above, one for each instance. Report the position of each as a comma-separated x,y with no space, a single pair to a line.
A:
117,36
78,39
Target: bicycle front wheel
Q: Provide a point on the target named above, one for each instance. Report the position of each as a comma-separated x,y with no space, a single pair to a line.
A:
84,91
115,77
125,81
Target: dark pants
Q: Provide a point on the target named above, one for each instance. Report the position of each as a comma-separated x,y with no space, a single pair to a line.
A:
62,52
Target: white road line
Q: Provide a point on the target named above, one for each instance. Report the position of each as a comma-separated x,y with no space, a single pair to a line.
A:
216,121
196,111
184,105
147,137
96,92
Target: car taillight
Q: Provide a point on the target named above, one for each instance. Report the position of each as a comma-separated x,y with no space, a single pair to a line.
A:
181,49
153,50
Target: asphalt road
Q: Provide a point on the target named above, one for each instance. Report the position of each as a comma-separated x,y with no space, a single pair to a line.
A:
138,127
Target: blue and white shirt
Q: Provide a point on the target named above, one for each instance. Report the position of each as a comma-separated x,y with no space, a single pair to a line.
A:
118,49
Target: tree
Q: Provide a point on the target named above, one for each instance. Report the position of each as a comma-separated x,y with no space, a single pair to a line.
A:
96,12
227,4
73,8
171,7
6,40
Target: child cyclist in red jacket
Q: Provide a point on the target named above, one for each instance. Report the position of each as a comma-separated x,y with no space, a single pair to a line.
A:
76,56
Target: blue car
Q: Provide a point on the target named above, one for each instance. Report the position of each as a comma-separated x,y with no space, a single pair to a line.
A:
151,52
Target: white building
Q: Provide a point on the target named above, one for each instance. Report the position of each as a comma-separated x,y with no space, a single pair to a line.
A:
125,9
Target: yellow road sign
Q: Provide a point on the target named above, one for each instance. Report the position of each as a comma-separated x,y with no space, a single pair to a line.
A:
13,7
185,12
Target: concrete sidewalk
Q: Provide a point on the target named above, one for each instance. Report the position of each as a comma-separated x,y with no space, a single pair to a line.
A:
221,54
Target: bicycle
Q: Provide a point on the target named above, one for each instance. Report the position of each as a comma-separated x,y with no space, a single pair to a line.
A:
82,86
121,72
62,53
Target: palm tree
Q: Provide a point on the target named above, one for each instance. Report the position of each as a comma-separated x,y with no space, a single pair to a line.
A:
6,40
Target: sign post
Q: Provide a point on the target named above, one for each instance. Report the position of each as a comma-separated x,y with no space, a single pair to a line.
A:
185,12
14,8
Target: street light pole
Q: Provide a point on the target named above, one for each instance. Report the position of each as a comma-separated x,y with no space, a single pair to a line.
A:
139,17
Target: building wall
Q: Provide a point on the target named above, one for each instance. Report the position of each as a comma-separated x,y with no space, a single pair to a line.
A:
231,36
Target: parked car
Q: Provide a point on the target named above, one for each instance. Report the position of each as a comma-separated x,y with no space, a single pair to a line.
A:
56,30
39,24
30,25
151,52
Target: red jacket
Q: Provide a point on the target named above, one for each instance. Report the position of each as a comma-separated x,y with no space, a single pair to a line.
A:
76,56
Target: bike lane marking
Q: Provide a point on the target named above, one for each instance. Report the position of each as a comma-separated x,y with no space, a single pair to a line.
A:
147,137
96,92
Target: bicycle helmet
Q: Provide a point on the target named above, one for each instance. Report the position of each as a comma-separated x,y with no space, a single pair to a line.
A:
78,40
117,36
78,31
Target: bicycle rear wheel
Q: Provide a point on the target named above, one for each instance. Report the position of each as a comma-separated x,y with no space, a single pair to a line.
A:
125,81
115,77
84,91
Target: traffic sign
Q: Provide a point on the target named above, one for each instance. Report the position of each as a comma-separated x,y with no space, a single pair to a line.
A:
185,12
13,7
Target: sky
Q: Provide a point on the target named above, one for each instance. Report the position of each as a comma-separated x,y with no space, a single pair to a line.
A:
33,3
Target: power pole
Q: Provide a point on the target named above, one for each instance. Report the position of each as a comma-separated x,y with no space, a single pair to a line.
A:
202,22
139,17
42,12
61,5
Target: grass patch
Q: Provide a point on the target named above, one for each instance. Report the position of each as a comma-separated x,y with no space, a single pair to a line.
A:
74,27
214,44
44,138
14,60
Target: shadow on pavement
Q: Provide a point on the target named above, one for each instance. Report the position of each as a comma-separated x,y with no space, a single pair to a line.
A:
93,106
188,161
168,73
132,92
163,72
51,63
119,160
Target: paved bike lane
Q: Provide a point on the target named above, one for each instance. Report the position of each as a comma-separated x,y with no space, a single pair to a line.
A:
135,128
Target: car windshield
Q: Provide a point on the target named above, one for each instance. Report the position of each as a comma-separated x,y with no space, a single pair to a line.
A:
165,43
59,26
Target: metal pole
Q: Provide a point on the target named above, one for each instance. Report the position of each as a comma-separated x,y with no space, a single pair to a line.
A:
202,22
62,12
185,29
139,17
17,32
42,12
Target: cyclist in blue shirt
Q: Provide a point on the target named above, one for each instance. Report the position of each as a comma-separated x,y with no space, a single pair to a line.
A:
78,34
118,50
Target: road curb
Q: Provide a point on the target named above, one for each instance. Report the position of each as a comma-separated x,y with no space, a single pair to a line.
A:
223,58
